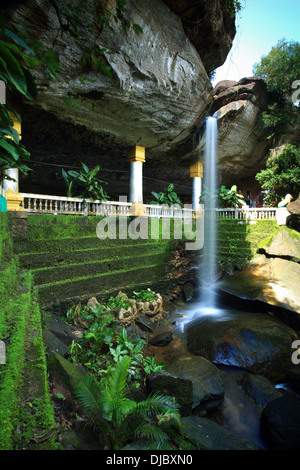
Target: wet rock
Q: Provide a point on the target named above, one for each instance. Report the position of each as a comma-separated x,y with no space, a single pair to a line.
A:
57,334
145,323
259,389
188,291
255,342
179,388
205,377
280,423
204,434
64,371
162,339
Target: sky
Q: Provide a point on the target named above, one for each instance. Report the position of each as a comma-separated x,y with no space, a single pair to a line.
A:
260,25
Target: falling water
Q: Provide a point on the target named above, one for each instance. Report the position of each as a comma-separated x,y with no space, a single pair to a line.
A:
208,262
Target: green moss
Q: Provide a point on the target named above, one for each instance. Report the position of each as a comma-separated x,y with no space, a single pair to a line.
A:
11,375
237,243
102,284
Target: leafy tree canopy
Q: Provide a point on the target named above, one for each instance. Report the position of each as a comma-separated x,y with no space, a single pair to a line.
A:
281,175
280,69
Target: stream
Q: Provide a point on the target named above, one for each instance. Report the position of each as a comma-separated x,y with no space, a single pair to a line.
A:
237,412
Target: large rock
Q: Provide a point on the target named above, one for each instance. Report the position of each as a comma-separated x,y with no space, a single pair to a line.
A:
204,434
255,342
285,244
171,385
273,277
159,85
242,143
210,26
207,382
158,97
280,423
293,220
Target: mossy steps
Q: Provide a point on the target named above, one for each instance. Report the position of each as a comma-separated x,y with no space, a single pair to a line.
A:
81,264
25,402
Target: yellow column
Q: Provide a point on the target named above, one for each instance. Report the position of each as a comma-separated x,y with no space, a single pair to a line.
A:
14,200
196,172
136,157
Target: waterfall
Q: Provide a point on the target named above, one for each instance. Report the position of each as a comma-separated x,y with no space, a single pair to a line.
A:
208,265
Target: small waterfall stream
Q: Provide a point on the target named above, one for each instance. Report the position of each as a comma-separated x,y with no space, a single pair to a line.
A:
208,263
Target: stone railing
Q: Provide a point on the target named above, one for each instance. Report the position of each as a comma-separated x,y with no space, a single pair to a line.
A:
40,203
243,213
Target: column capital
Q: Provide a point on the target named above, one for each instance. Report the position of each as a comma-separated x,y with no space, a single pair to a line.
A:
196,170
136,154
14,201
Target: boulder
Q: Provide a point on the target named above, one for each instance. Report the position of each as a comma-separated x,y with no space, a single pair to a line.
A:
179,388
293,220
255,342
203,434
259,389
285,244
162,339
272,278
280,423
206,379
294,207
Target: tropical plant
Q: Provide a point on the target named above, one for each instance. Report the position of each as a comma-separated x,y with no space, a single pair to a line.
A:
222,197
230,197
168,197
281,175
70,177
108,407
15,59
85,182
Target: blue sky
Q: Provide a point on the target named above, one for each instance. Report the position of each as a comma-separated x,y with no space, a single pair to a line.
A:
260,25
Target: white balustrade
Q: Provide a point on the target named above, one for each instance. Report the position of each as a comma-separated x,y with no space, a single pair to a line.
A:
41,203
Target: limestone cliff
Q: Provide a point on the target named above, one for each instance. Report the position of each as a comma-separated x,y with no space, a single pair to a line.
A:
157,97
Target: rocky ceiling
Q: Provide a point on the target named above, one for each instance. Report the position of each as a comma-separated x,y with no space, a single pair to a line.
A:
158,97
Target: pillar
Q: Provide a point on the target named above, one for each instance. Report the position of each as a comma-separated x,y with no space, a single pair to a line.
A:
136,157
196,172
12,187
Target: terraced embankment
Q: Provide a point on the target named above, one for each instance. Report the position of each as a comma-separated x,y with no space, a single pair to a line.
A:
68,260
25,403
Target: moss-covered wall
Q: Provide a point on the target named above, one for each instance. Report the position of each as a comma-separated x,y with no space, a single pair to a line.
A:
238,242
68,260
25,357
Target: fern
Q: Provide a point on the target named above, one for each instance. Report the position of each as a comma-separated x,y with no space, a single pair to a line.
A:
121,417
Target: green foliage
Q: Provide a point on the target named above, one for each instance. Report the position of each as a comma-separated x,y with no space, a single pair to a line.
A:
281,175
15,59
234,6
85,182
279,69
168,197
223,197
103,343
230,197
144,295
121,418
